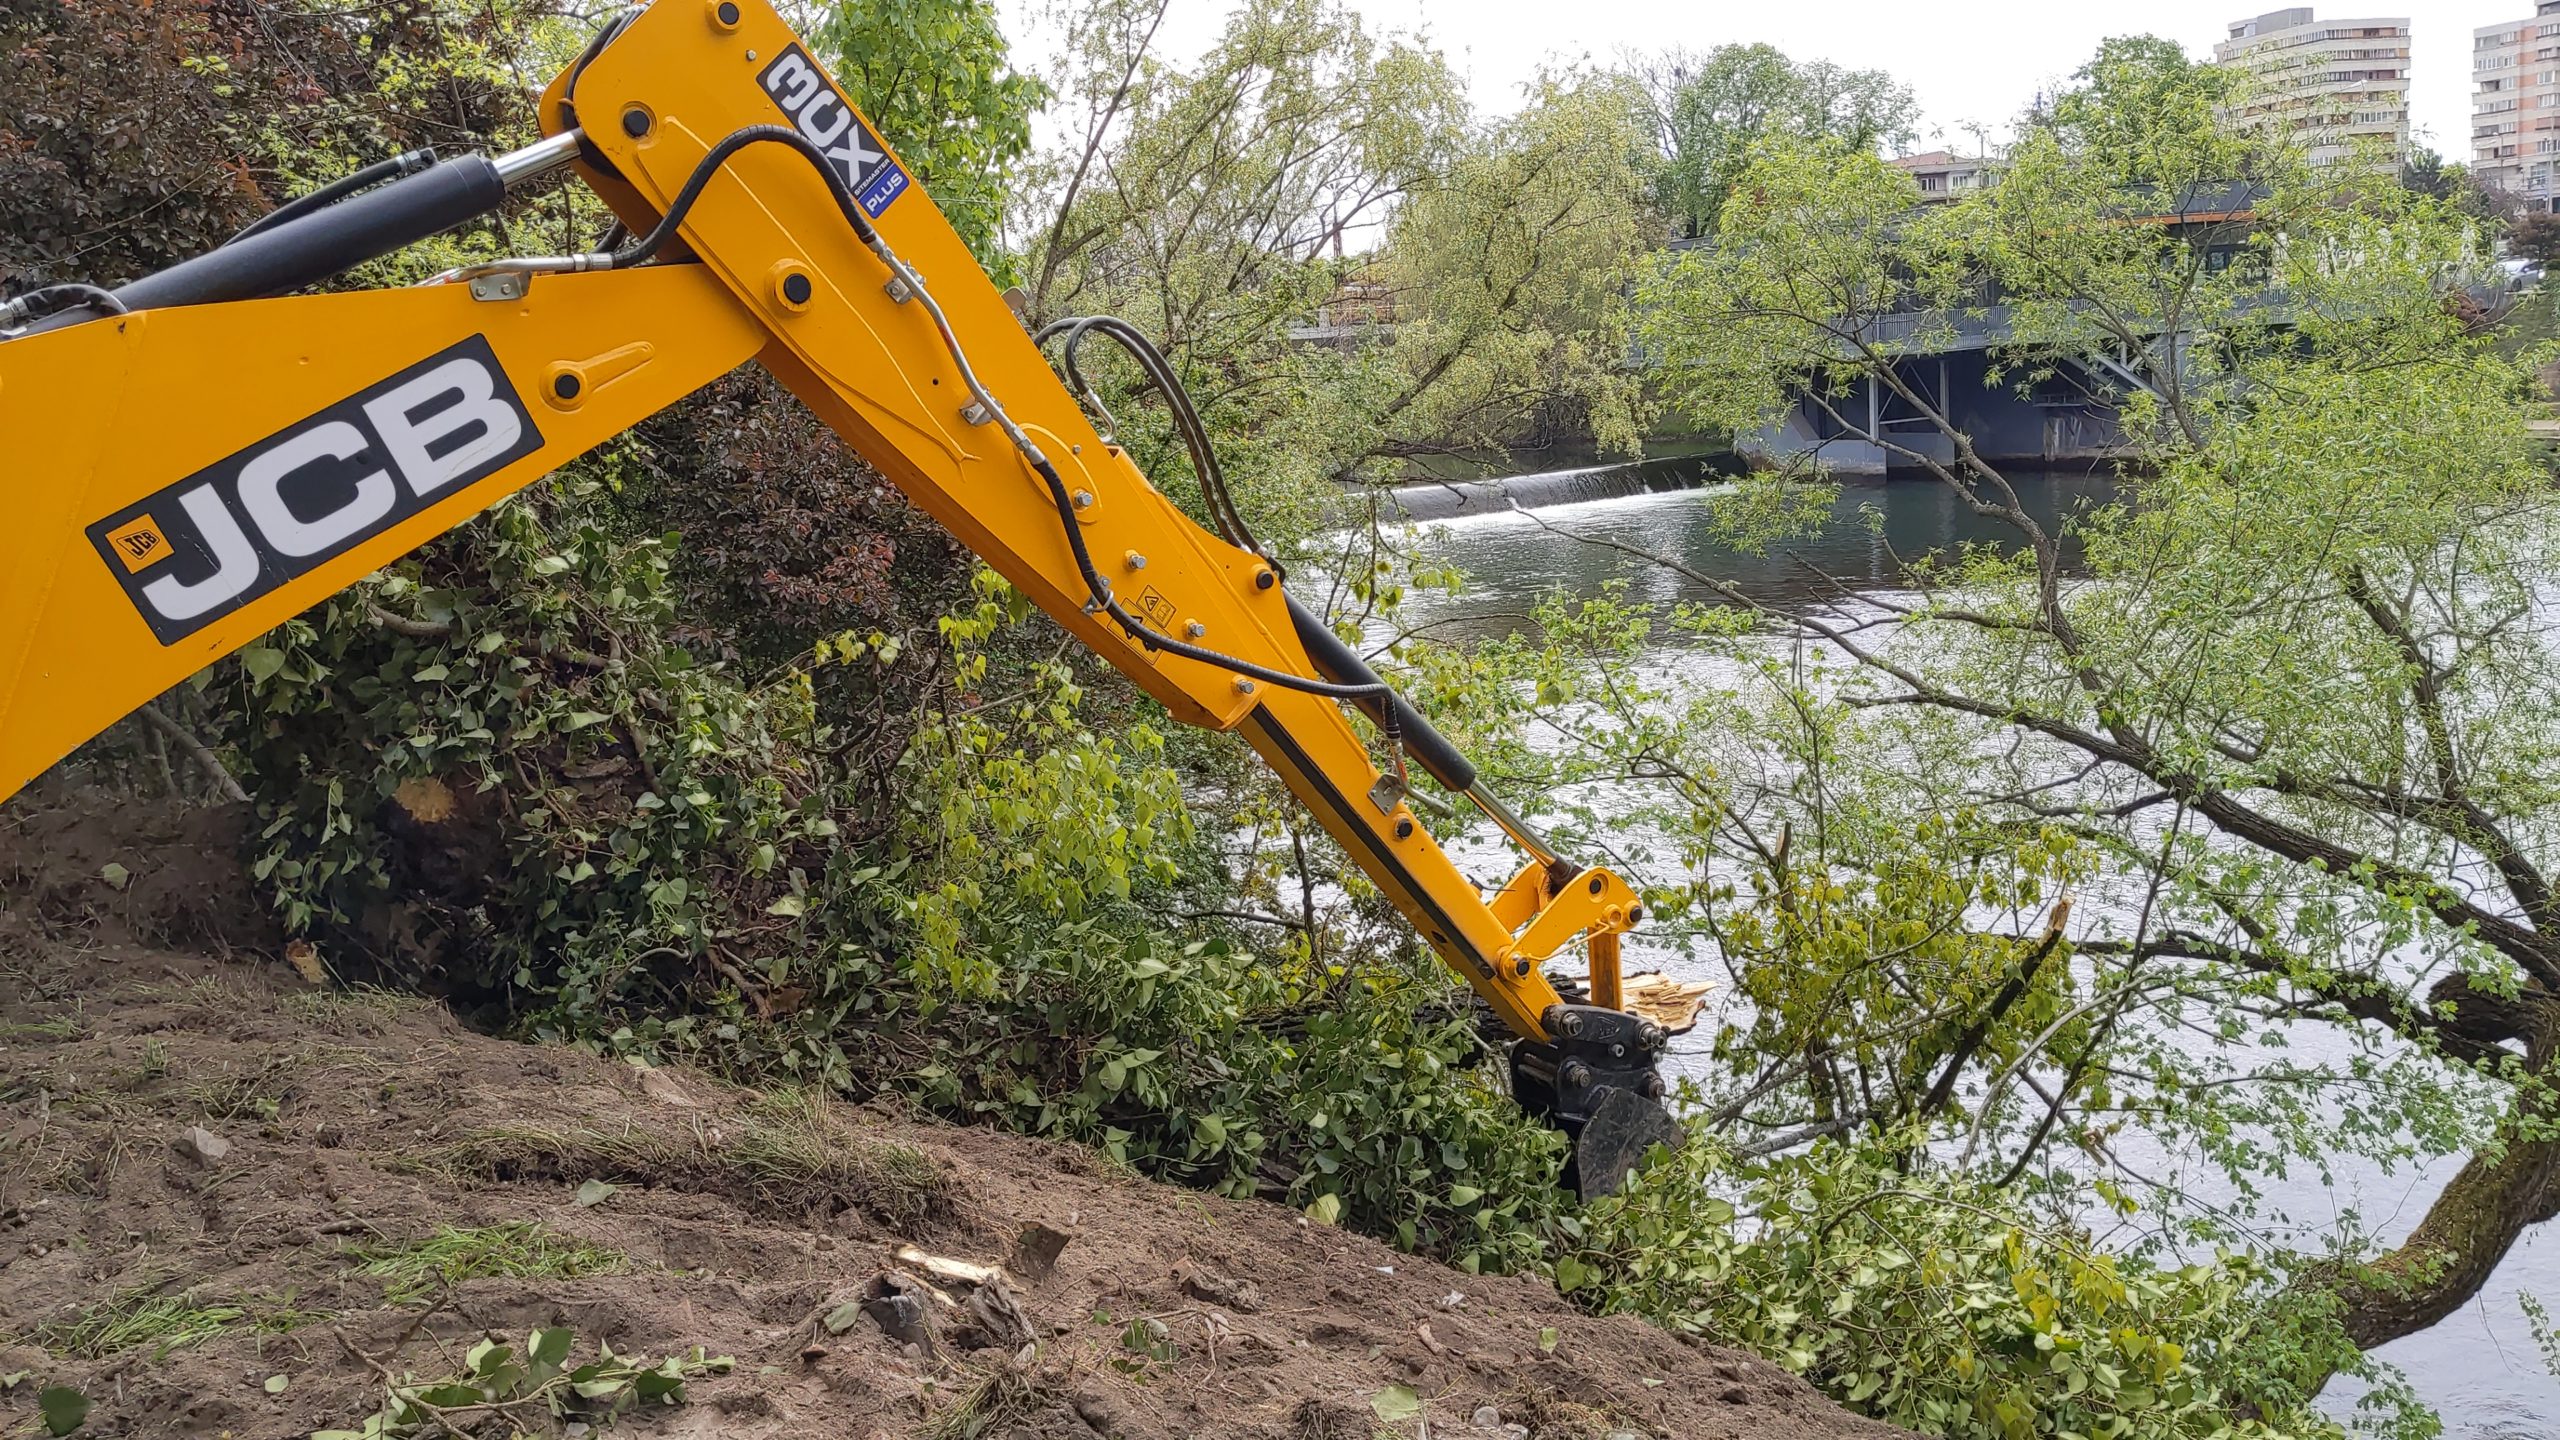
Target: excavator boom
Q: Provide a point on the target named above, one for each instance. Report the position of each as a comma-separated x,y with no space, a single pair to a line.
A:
203,455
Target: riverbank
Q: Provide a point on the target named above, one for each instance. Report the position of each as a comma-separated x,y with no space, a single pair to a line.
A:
237,1201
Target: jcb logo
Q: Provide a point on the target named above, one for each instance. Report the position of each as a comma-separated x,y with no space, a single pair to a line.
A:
801,89
203,547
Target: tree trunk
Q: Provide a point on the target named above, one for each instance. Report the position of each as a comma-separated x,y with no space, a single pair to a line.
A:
2444,1262
2478,1215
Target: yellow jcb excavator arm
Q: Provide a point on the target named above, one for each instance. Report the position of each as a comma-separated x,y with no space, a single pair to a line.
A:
201,455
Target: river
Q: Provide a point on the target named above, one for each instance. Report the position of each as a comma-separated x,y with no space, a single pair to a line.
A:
2481,1368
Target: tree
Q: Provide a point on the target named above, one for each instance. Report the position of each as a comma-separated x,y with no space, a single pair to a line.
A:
1212,207
1709,111
936,78
1225,205
1511,271
136,134
2535,237
2431,175
2281,724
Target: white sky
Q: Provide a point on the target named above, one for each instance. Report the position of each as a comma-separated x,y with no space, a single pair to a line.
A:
1971,64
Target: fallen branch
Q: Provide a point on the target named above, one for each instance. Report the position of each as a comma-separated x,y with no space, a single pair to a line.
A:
415,629
197,750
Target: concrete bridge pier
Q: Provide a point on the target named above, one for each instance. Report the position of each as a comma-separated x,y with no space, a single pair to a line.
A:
2063,419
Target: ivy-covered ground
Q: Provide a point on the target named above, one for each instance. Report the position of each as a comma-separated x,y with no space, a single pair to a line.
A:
236,1203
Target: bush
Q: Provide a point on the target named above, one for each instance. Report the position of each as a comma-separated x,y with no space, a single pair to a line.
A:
1947,1305
490,773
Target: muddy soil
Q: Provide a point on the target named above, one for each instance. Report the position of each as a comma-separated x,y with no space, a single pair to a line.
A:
235,1204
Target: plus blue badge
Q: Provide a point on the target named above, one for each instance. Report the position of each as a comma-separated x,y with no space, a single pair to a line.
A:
887,185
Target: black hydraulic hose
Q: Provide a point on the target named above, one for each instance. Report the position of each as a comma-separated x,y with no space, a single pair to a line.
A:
605,35
1186,416
398,167
730,144
1100,591
54,299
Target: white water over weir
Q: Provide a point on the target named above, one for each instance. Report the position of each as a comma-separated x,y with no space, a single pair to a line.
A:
1429,500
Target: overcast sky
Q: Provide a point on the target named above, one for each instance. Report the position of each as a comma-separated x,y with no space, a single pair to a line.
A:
1972,62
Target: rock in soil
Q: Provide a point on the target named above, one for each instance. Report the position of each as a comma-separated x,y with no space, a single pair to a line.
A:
201,1145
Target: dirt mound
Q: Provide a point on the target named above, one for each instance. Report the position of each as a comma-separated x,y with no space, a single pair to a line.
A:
232,1204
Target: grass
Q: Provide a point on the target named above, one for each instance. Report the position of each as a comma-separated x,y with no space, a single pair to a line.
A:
414,1269
64,1161
1546,1411
68,1027
1005,1395
363,1009
787,1159
237,1094
218,994
165,1322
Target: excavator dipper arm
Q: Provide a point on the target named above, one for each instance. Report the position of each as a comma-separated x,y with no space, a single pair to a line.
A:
202,456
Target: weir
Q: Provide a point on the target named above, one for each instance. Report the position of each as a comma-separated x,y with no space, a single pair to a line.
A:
1426,500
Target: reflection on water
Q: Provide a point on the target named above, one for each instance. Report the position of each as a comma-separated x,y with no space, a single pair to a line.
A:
2480,1368
1514,557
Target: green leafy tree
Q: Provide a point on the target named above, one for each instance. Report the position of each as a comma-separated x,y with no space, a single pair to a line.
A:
2044,860
1511,273
1709,110
937,78
1209,205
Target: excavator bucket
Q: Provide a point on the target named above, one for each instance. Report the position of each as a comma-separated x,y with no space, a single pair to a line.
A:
1622,1129
1596,1076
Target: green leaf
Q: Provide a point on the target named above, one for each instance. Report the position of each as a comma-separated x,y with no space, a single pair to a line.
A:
261,661
1327,1209
116,876
63,1408
841,1318
1548,1338
551,1346
592,1193
789,906
275,1384
1395,1403
581,719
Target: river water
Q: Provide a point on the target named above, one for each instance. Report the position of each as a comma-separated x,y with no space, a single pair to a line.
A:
2481,1368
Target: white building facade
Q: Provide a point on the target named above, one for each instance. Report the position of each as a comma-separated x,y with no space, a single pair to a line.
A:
2339,87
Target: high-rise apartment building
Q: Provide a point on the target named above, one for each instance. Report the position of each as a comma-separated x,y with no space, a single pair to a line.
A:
2341,87
2515,104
